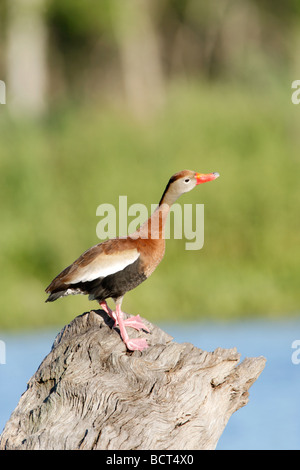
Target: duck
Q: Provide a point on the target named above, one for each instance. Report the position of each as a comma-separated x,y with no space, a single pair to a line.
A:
115,266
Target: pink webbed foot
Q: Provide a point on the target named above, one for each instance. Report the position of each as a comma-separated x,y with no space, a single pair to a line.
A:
136,322
137,344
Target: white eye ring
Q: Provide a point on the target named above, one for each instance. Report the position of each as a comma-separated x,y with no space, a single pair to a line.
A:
187,180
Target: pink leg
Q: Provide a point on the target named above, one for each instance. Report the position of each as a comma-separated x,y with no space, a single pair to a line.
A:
108,310
132,344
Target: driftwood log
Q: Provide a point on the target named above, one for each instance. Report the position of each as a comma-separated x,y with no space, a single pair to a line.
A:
91,393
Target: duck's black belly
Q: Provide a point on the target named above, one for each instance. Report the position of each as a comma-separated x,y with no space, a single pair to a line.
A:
115,285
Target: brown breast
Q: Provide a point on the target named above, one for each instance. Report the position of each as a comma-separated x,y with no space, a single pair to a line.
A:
152,252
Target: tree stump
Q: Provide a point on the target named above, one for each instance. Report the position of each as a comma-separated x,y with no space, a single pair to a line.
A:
91,393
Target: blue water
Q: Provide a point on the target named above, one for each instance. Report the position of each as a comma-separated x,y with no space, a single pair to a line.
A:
271,419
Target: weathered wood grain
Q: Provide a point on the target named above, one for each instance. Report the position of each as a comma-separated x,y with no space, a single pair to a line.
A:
91,393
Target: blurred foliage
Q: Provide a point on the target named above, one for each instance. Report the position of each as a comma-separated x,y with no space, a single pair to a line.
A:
225,70
246,40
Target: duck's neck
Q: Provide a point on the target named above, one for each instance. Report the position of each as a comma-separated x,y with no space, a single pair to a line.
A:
154,227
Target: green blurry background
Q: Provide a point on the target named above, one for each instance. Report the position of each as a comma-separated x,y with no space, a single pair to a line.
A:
108,98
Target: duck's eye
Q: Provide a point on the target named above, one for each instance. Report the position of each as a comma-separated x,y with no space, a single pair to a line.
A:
187,180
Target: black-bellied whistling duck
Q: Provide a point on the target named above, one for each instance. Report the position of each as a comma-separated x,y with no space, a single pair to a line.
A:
113,267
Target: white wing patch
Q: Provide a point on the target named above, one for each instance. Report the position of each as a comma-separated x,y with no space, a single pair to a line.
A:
104,265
